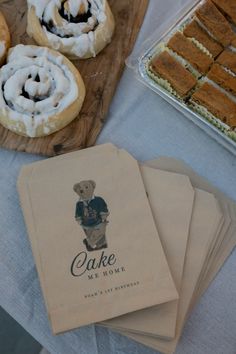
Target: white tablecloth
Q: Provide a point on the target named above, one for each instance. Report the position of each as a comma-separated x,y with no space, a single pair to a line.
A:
147,127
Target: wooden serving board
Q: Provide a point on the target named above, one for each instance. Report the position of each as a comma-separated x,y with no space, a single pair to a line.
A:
100,74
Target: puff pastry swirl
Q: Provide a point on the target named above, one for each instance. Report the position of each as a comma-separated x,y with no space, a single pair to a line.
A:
79,29
41,91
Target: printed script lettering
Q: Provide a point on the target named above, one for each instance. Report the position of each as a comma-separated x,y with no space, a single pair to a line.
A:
82,263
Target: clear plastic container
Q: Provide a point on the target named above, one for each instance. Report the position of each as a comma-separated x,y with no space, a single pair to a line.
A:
138,62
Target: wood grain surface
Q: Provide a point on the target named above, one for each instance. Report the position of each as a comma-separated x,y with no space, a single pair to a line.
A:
100,74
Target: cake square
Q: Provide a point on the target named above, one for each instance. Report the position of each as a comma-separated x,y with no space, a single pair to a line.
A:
228,59
194,30
215,22
168,68
228,7
217,102
223,78
190,52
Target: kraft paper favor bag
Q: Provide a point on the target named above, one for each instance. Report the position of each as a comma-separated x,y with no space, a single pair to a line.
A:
171,199
93,237
183,195
228,243
176,205
228,232
206,219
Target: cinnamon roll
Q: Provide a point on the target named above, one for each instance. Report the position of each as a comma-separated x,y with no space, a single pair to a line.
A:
79,29
41,91
4,39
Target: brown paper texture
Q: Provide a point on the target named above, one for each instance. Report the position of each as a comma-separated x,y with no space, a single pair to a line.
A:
228,244
87,271
206,219
228,232
219,251
171,198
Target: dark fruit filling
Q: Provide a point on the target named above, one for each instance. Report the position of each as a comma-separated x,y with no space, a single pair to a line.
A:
80,18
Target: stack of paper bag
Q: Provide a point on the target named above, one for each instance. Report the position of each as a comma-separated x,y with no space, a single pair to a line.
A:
115,242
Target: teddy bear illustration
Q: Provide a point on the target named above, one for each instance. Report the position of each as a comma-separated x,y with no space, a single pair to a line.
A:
91,213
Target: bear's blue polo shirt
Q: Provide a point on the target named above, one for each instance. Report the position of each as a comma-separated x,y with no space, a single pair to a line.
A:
90,212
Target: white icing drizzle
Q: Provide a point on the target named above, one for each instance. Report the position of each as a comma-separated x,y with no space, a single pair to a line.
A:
35,85
78,38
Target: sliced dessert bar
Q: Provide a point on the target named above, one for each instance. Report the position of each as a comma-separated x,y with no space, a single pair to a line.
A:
215,23
228,8
167,68
223,78
209,98
233,43
195,31
228,59
188,50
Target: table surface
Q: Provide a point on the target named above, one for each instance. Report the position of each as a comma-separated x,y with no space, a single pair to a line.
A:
147,127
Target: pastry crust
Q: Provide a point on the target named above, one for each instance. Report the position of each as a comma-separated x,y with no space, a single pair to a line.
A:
65,36
41,91
5,39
